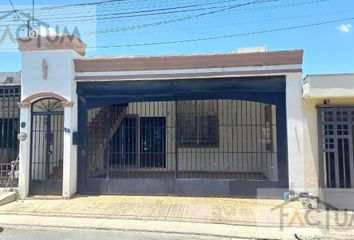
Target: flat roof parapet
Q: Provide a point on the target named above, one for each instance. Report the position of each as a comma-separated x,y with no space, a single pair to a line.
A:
190,61
52,43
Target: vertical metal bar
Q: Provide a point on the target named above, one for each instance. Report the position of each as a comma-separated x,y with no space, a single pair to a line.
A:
56,123
350,148
176,140
322,182
41,150
256,142
336,156
241,126
153,127
12,130
32,146
247,139
8,122
61,143
196,152
15,124
107,126
2,123
223,127
223,124
168,135
264,151
351,156
232,152
47,149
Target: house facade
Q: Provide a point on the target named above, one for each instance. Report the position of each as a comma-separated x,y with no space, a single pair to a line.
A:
329,137
206,125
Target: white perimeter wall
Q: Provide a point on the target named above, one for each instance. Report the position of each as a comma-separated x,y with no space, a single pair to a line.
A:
294,109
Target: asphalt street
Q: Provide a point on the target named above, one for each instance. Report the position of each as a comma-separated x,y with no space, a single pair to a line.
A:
82,234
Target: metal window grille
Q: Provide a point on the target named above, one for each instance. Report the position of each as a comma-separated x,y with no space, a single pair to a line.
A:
9,128
336,139
197,124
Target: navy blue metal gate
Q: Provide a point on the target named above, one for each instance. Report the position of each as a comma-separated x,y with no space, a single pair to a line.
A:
210,137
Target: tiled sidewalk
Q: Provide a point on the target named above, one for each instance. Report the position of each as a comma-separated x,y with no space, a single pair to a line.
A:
249,218
207,210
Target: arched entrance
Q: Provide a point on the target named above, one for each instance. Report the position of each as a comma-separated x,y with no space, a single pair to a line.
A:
47,128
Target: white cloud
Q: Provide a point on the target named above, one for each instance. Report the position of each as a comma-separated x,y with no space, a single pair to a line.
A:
345,28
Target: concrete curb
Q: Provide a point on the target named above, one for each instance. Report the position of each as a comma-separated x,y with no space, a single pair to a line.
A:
7,197
205,229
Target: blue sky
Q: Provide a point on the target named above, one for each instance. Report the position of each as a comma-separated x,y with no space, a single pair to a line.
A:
328,48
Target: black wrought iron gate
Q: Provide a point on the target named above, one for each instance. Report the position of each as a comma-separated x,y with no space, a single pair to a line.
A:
9,128
336,128
47,147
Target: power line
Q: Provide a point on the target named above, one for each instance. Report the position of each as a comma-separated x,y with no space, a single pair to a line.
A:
110,30
64,5
123,18
160,7
227,36
219,9
16,12
219,37
240,23
142,13
150,12
180,19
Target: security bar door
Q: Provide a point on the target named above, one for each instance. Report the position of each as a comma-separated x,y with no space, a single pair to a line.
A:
47,147
336,126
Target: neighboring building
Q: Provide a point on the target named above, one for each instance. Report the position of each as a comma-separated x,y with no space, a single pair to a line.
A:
10,78
220,125
10,91
329,137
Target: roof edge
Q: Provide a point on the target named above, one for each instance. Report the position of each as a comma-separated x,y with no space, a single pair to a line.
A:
224,60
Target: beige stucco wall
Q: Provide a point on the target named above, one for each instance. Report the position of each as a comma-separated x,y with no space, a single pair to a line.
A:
311,138
241,147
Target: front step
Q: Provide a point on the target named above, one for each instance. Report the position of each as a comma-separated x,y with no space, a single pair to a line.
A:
7,197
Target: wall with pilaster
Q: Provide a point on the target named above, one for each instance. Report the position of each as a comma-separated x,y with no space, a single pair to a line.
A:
294,109
60,81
